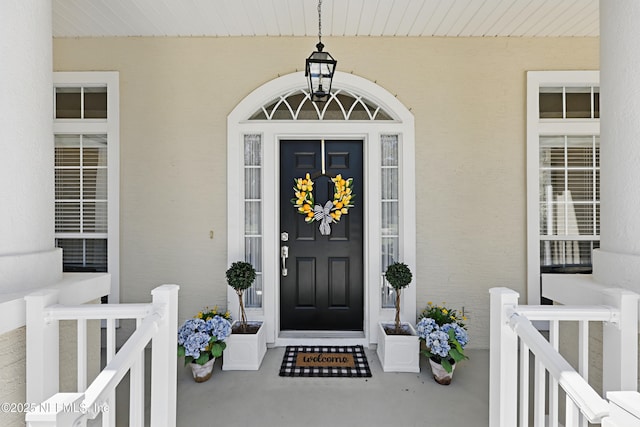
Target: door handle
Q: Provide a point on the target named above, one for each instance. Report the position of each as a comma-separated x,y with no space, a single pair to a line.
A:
284,254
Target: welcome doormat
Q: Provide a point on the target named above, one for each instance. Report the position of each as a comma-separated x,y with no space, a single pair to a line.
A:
325,361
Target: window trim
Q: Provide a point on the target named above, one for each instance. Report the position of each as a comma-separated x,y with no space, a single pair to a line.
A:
535,128
110,127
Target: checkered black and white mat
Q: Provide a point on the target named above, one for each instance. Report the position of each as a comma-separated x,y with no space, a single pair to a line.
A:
290,369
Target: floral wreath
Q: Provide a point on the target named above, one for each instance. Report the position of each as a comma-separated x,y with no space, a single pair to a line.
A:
332,209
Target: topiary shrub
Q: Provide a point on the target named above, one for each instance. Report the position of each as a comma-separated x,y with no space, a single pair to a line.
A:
399,276
240,276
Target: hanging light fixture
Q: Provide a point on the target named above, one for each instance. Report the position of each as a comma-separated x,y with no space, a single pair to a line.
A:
320,67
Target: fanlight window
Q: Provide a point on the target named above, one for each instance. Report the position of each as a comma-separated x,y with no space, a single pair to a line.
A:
342,105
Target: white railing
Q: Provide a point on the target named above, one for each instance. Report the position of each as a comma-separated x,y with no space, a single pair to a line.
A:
155,322
514,338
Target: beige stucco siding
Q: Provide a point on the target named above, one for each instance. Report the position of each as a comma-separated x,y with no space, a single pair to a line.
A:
468,98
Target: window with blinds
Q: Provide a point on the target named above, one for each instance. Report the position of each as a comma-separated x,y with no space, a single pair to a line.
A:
564,148
390,232
569,199
81,201
253,215
86,169
85,137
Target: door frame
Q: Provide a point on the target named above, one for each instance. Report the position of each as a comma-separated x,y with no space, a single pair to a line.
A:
369,132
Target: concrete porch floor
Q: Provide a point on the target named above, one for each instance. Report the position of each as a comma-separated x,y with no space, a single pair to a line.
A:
262,398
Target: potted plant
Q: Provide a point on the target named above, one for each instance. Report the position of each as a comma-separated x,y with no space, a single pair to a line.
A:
445,337
247,344
202,339
398,344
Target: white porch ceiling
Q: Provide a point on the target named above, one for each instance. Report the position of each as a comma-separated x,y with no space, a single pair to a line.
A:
420,18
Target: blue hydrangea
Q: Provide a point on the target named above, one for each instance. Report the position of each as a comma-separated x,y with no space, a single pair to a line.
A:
438,343
196,334
219,327
425,326
196,343
461,335
189,327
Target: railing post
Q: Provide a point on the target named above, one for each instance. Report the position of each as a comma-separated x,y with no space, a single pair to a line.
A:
503,360
620,343
43,353
164,358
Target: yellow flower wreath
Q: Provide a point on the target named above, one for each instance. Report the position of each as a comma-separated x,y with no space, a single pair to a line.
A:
304,202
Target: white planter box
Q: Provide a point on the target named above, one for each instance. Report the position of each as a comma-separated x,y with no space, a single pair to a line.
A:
398,353
245,352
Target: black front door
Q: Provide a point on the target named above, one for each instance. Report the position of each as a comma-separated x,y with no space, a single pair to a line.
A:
323,285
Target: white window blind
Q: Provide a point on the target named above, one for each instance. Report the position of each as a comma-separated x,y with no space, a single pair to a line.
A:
81,201
390,233
569,199
253,215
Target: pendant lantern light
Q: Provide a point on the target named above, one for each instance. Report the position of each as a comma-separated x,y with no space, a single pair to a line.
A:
320,67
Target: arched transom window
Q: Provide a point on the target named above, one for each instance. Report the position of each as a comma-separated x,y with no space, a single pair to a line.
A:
342,105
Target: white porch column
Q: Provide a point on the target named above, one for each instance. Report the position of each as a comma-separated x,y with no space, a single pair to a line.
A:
617,263
28,258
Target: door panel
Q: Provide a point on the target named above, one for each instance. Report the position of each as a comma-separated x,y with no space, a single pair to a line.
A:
339,282
305,282
323,288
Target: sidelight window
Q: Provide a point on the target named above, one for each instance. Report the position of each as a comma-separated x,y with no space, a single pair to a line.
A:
253,215
390,233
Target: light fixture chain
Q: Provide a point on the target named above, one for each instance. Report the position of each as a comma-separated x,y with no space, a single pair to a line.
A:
320,21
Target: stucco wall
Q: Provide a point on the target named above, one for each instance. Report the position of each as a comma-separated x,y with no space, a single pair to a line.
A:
468,97
12,374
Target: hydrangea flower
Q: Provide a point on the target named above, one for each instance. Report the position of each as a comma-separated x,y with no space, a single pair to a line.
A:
425,326
461,333
444,335
196,343
188,328
201,340
438,342
219,328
